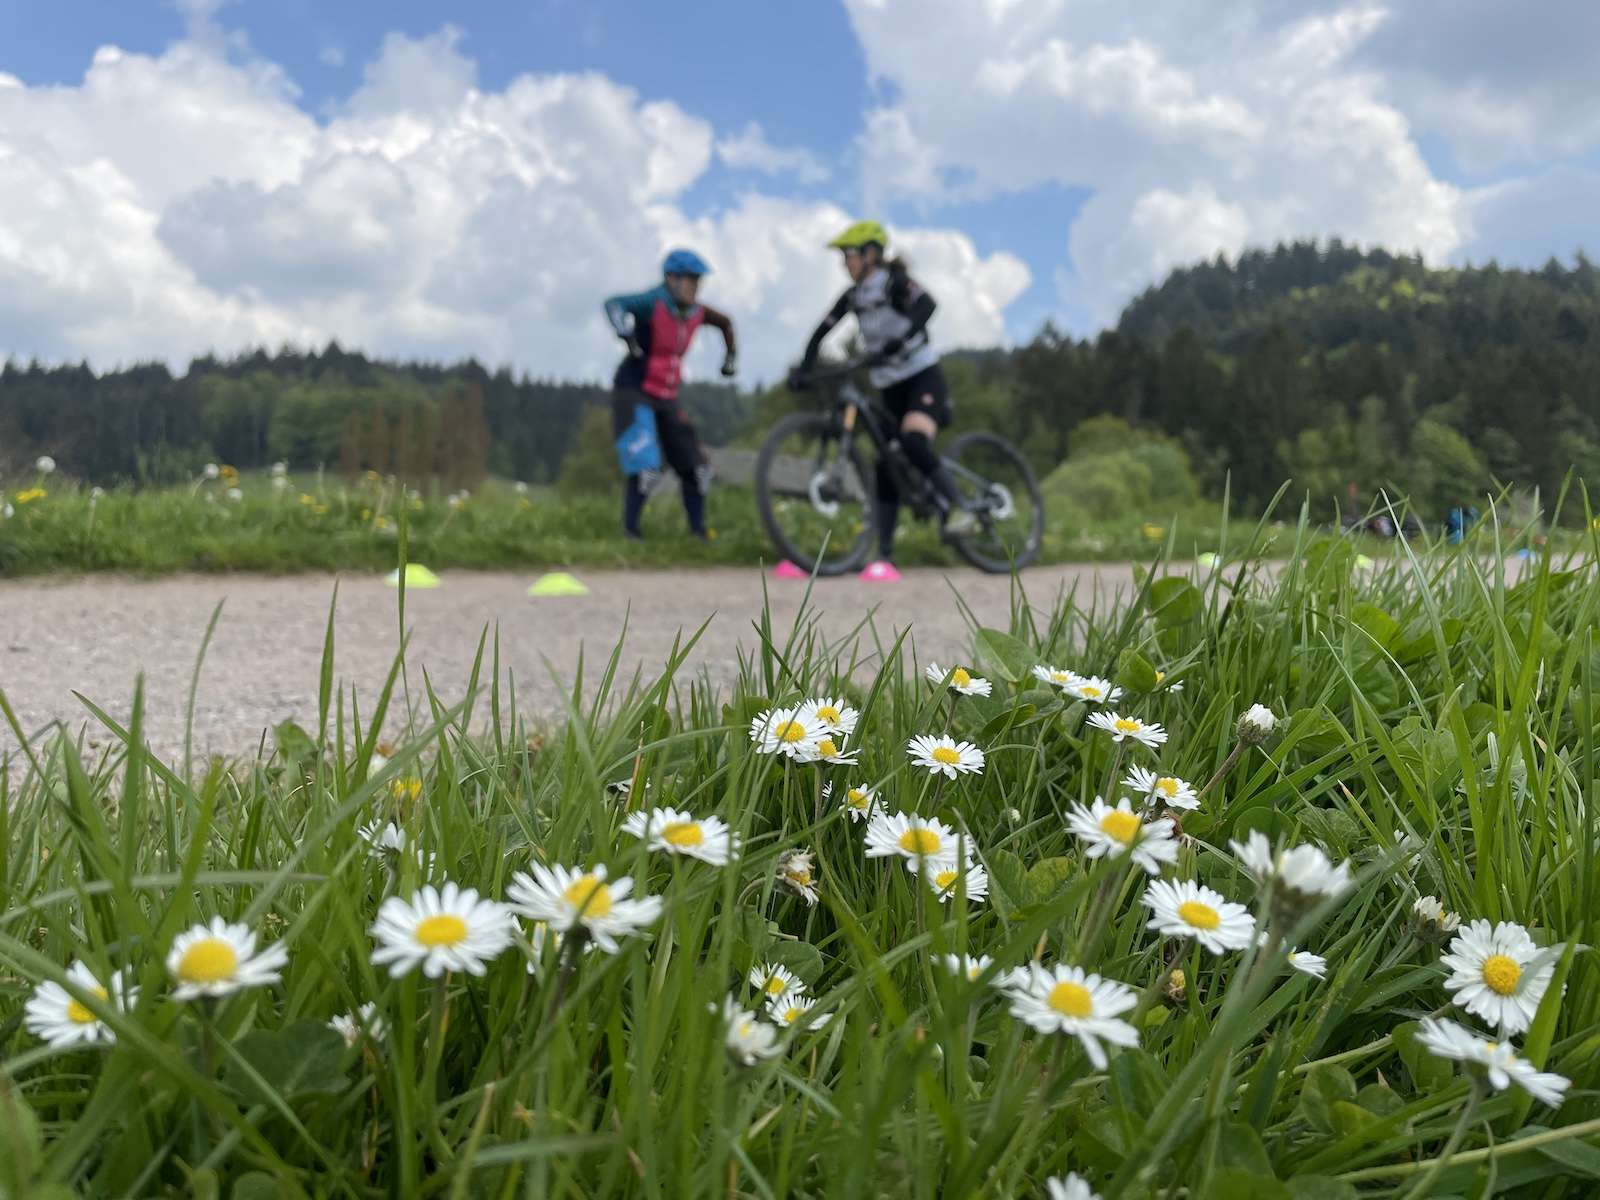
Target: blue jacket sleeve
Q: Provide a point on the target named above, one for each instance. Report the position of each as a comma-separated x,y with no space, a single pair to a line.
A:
627,311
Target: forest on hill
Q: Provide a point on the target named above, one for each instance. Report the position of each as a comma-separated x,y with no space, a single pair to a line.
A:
1317,362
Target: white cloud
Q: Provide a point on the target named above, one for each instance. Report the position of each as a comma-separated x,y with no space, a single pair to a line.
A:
1201,129
749,150
181,203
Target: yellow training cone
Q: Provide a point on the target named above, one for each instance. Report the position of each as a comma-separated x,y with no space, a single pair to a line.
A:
558,583
417,576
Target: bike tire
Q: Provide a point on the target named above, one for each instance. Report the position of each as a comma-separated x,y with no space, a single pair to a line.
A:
821,429
987,549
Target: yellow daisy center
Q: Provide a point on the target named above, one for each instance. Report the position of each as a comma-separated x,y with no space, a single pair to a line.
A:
1501,974
208,961
1201,916
1128,725
919,841
828,713
827,749
1071,1000
1060,677
856,797
776,986
1120,824
792,1014
1090,692
441,929
945,878
79,1014
791,731
589,895
683,833
1160,676
1167,786
946,755
959,678
798,878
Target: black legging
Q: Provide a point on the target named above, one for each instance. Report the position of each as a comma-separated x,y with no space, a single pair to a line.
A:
680,450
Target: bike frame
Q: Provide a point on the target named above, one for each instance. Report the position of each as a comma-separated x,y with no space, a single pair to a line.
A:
851,403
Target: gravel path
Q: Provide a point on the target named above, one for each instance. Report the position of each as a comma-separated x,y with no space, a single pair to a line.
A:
94,635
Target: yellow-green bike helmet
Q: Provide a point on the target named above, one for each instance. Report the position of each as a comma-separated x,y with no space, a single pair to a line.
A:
860,234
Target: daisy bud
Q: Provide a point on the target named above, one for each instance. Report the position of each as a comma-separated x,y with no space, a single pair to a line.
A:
1256,724
1177,986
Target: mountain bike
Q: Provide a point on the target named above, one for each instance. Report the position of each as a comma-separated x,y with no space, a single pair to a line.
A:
816,486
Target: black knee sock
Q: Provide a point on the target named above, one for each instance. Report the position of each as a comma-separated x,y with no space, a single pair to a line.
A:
888,517
694,506
920,451
633,498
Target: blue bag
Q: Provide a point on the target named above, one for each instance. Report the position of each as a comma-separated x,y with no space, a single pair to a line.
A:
637,447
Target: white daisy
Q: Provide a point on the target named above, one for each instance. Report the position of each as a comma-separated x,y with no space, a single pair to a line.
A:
794,872
748,1039
1093,690
789,1011
565,898
786,731
1431,912
858,802
1070,1186
218,958
363,1023
1112,831
1498,1060
947,880
944,755
54,1016
1303,870
383,839
829,750
967,966
1054,676
837,717
959,680
675,832
775,981
1161,789
440,929
916,839
1064,999
1498,973
1186,909
1121,728
1310,964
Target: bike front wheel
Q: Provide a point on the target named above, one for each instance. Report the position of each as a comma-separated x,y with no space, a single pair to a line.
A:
1000,490
814,494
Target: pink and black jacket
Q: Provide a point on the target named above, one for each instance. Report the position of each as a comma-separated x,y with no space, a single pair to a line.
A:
663,331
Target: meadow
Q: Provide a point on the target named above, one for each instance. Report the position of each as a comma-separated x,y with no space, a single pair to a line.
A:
1276,880
311,522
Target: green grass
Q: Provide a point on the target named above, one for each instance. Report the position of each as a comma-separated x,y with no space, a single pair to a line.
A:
1422,701
326,525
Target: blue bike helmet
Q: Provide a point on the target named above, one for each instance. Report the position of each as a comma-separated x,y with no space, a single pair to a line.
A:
685,262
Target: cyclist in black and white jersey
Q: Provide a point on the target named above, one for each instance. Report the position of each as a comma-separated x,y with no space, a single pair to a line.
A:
892,311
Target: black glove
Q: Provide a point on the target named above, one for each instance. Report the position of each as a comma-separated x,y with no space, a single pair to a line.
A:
635,350
730,366
799,379
889,349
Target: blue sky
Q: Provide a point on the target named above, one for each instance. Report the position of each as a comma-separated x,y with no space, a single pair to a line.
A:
1042,160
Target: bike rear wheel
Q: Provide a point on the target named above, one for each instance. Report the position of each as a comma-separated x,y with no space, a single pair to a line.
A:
815,494
1001,491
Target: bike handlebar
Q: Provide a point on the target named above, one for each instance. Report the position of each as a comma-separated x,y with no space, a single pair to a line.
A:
838,370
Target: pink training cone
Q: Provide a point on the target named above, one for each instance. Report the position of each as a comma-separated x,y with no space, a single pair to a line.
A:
787,570
880,572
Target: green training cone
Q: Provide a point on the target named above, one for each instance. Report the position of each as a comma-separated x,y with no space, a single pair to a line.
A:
558,583
417,576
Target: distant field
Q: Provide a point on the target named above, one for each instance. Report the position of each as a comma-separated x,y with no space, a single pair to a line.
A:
324,523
